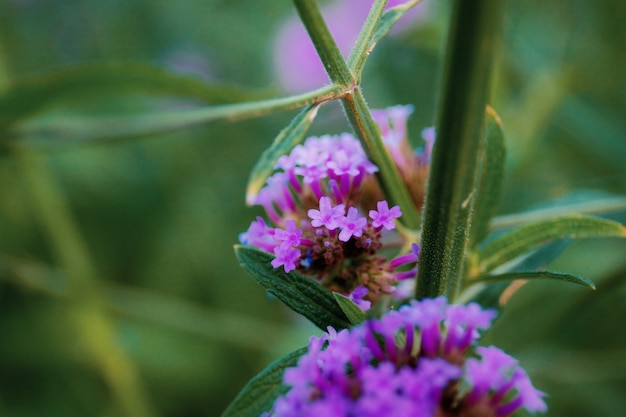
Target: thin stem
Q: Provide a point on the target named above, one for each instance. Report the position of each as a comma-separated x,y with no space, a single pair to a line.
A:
456,154
366,129
324,43
362,47
375,28
357,111
87,130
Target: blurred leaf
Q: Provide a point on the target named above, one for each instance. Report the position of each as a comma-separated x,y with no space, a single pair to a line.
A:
230,327
543,256
495,295
581,201
530,236
30,95
562,276
286,140
300,293
491,177
261,391
351,310
74,129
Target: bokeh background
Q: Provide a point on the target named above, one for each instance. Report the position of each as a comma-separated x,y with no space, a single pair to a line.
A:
158,215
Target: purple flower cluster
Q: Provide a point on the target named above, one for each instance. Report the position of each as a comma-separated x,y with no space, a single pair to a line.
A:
321,229
416,361
329,219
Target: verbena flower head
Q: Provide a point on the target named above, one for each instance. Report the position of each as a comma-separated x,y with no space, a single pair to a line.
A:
329,219
418,361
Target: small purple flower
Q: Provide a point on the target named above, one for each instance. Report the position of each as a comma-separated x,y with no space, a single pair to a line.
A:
384,216
357,296
376,369
351,225
291,236
287,256
327,216
259,235
428,134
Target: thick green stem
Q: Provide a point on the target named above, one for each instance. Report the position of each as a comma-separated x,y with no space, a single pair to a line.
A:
460,124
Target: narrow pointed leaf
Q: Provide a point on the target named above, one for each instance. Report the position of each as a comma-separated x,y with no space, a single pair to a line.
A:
543,256
77,129
286,140
496,295
561,276
527,238
32,94
350,309
300,293
490,184
261,392
365,45
361,48
582,202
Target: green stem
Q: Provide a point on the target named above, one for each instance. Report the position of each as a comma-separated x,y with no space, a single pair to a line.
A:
356,109
366,129
324,43
94,327
361,50
61,131
456,155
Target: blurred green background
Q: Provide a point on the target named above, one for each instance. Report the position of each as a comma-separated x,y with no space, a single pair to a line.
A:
169,324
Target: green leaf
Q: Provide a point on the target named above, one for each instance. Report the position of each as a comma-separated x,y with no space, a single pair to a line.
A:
457,152
370,36
543,256
580,201
286,140
300,293
365,42
30,95
532,235
491,177
562,276
491,295
260,393
76,129
351,310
